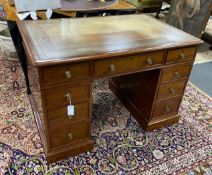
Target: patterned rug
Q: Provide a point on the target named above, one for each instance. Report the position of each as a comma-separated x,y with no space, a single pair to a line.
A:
121,147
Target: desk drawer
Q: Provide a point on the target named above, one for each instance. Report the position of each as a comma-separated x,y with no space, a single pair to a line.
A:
127,64
183,54
60,96
58,117
176,72
171,89
166,107
65,74
69,134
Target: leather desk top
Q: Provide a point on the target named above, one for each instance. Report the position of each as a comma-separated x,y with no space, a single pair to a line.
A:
79,39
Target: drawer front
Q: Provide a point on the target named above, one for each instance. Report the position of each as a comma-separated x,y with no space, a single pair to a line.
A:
176,72
69,134
183,54
59,117
127,64
64,74
60,96
171,89
166,107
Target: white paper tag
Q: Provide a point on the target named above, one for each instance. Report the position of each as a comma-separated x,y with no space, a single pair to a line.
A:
70,110
49,13
22,16
33,15
30,5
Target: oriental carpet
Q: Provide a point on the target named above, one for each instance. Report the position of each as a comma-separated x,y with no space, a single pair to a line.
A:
121,146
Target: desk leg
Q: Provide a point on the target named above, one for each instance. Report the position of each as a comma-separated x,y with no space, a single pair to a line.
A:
17,41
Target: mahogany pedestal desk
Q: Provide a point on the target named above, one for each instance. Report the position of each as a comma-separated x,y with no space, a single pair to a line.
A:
148,61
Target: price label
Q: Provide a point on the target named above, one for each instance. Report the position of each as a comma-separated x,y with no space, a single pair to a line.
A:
70,110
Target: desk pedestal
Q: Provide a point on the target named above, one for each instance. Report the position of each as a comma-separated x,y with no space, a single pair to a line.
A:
139,93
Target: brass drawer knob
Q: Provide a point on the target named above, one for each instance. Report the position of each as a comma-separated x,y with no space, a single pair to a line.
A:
70,136
68,74
171,90
68,96
177,74
167,109
149,61
112,68
182,56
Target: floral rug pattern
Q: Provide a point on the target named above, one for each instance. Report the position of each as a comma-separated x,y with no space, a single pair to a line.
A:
121,147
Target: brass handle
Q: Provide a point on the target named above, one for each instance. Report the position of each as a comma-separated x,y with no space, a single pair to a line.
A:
70,136
149,61
112,68
182,56
68,74
172,90
68,96
177,74
167,109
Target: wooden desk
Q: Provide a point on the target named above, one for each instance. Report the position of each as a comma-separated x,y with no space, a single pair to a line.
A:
11,10
148,61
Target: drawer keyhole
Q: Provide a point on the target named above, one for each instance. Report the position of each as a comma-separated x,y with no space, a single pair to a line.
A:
112,68
68,74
